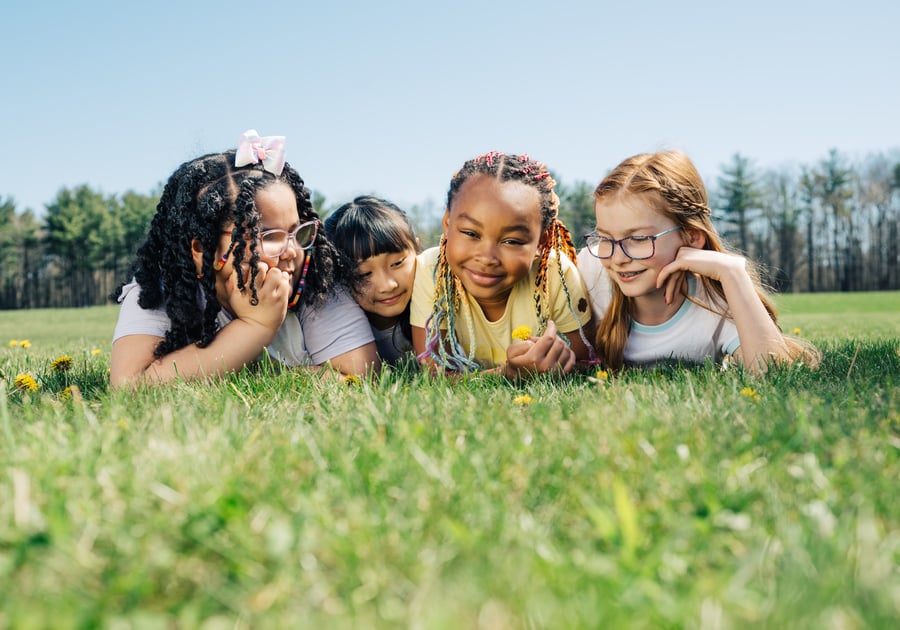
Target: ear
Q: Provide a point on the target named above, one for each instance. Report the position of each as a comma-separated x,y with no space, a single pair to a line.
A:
446,222
197,254
696,238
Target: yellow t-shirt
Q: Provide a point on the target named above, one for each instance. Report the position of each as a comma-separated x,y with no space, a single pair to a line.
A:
493,338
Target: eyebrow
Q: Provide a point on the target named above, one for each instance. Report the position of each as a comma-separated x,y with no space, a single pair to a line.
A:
510,228
630,232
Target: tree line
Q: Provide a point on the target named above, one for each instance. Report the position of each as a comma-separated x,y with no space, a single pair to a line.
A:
829,226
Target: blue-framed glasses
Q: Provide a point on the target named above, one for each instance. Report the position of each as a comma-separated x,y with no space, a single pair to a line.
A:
636,247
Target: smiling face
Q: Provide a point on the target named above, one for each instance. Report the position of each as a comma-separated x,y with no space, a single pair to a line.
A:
277,207
493,229
621,216
385,286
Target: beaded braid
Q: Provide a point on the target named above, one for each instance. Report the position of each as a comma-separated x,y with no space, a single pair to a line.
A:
449,293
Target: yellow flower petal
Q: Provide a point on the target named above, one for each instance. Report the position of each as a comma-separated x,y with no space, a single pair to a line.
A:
522,333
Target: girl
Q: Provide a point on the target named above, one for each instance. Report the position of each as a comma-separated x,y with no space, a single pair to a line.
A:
653,230
233,247
505,264
377,238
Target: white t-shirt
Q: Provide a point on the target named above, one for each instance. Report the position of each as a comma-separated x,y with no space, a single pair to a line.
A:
311,336
693,334
596,280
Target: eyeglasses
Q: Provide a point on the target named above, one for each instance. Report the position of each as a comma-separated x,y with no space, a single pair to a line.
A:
636,247
275,242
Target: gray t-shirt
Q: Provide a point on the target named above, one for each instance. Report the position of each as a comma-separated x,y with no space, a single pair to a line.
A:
311,336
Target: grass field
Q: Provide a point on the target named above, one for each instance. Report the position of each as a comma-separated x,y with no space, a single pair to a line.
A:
681,497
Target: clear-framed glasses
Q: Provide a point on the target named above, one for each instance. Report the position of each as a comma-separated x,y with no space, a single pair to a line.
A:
274,243
637,247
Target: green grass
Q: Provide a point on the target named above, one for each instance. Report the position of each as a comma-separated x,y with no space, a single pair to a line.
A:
680,497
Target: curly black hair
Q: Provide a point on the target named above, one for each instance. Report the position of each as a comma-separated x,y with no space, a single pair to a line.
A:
200,198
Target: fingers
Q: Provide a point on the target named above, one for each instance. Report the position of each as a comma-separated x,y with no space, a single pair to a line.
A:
546,353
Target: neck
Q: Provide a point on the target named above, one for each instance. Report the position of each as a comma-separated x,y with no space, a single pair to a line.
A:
381,323
652,310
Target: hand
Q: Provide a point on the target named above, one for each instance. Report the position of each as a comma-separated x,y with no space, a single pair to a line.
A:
704,262
273,290
537,355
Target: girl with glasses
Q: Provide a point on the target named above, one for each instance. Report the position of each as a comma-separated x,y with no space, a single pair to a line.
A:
674,292
234,265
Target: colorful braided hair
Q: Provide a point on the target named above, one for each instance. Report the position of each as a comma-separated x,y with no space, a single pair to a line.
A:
449,292
200,198
670,184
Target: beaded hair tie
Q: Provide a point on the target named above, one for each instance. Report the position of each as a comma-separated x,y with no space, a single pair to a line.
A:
296,299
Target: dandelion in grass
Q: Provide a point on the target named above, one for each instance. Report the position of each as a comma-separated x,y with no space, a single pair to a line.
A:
25,383
352,379
95,352
524,400
797,331
13,343
24,344
749,392
66,394
522,333
62,363
600,377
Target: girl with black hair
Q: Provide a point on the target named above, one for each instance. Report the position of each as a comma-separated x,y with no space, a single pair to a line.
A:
377,239
233,265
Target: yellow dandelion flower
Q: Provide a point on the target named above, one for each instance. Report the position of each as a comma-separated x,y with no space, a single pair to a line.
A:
352,379
796,331
123,424
25,383
66,394
13,343
96,351
750,393
62,363
522,333
25,343
523,400
602,375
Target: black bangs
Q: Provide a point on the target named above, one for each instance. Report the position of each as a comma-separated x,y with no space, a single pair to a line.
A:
363,231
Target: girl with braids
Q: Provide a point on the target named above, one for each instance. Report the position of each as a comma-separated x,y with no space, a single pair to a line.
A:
376,238
677,293
504,267
234,264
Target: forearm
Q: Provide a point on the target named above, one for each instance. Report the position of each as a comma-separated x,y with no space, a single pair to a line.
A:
760,338
236,345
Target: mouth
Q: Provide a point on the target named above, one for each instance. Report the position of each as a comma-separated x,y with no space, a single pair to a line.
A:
484,279
628,276
390,301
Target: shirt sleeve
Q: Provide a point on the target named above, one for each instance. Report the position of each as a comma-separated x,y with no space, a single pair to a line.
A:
422,303
134,320
574,309
336,327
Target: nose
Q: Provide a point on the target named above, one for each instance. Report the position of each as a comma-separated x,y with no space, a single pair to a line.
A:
486,252
291,251
386,283
619,254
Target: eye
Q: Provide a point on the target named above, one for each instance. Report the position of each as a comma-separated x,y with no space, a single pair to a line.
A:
639,239
365,274
398,263
468,233
514,242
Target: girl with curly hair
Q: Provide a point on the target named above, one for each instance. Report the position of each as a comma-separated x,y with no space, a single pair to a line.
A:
235,264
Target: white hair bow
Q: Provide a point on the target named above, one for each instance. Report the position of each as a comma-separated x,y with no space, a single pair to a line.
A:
252,149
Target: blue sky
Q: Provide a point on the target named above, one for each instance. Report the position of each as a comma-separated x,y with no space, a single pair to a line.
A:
392,97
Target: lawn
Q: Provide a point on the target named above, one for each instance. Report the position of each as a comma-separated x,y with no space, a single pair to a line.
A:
679,497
